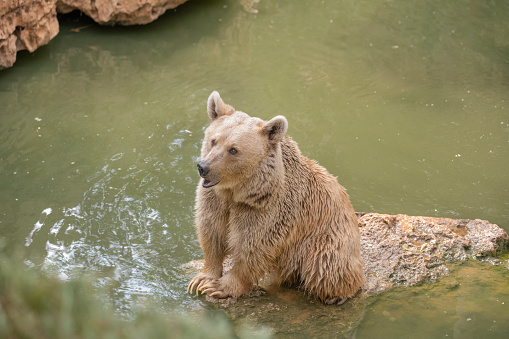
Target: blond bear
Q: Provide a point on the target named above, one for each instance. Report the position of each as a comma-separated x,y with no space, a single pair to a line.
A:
272,210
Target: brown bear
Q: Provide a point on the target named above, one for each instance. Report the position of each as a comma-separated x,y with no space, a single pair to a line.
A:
272,210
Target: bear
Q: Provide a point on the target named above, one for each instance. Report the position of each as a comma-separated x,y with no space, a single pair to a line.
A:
272,210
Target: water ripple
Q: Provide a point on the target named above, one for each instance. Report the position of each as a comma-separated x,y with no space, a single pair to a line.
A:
132,228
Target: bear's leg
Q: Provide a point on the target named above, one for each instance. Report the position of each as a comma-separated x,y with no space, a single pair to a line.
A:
252,249
211,229
212,270
214,253
331,267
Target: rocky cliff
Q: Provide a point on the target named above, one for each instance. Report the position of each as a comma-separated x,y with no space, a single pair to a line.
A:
28,24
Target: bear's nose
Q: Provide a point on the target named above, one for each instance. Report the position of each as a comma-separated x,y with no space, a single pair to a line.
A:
203,169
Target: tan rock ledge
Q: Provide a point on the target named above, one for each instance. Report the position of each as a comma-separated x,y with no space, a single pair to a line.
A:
406,250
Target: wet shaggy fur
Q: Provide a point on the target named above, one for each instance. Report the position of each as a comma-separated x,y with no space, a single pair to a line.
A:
272,210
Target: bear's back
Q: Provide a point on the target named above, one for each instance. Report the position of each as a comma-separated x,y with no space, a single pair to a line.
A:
310,193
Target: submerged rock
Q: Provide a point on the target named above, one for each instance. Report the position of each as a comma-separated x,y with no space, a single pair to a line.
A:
29,24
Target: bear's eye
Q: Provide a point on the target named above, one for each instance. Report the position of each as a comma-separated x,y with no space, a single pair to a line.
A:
233,151
213,142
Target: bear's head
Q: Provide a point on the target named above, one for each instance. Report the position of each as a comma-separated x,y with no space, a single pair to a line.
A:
235,144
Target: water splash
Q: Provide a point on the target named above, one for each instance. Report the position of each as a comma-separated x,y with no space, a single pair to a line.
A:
38,225
131,228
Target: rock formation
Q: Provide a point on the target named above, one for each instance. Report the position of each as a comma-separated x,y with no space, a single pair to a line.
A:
123,12
405,250
28,24
25,24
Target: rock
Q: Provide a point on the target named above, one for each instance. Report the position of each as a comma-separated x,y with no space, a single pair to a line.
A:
123,12
29,24
25,24
405,250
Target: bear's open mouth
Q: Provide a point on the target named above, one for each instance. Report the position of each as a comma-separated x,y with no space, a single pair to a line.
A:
206,183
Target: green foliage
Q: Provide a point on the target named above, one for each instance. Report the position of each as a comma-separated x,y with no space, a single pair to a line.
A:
35,306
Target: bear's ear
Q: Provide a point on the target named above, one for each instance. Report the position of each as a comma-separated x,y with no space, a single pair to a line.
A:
216,107
276,128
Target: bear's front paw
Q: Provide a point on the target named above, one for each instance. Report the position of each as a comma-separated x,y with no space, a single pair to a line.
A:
199,282
214,289
225,287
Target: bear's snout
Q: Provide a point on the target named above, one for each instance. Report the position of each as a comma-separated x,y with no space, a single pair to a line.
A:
203,169
209,178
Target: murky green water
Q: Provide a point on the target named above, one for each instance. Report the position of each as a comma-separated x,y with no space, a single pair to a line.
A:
407,102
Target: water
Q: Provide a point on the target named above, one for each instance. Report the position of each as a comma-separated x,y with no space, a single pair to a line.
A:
405,101
471,303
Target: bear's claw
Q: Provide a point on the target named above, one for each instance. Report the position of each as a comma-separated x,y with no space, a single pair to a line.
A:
191,286
212,289
201,285
217,294
335,300
198,282
212,292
